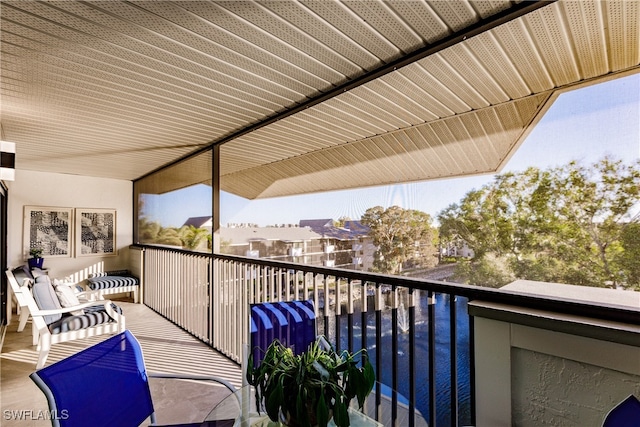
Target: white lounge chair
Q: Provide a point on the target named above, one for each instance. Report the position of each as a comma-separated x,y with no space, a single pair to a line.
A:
53,323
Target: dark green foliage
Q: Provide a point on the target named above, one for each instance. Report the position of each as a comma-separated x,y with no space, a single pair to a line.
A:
401,235
35,252
318,383
571,224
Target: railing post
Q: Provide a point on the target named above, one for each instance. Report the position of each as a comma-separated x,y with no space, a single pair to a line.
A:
325,306
379,306
364,308
432,359
350,300
338,312
394,354
453,359
412,356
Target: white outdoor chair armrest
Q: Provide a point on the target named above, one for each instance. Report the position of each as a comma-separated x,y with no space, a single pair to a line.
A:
89,296
106,303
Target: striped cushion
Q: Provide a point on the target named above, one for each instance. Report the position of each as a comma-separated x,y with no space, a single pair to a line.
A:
101,274
93,316
108,282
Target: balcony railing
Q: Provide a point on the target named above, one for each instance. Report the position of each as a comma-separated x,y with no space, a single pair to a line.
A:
417,332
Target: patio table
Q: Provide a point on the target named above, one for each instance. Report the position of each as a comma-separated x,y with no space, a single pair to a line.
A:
241,406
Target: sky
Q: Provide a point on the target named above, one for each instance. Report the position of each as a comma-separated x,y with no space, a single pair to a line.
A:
584,125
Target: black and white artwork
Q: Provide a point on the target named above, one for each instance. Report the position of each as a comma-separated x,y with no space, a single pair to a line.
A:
48,229
95,232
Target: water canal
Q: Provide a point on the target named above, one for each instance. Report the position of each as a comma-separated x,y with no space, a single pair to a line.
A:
442,351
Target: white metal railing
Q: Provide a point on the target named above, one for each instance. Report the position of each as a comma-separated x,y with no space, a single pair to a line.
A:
181,288
239,284
230,309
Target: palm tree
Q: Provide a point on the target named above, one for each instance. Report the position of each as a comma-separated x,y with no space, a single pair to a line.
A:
192,237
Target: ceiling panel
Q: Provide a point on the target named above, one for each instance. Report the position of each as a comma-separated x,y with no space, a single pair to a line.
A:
456,146
304,96
622,29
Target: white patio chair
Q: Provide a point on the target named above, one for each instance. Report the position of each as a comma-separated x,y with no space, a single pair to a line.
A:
53,323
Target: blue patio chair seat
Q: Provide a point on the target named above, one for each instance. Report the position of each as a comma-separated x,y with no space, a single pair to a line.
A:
106,385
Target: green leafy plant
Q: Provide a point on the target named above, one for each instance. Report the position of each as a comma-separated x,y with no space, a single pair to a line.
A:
35,252
309,389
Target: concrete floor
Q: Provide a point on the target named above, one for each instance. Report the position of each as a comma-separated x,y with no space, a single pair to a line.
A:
166,348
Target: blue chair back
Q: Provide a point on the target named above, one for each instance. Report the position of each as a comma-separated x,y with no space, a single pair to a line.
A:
103,385
293,323
625,414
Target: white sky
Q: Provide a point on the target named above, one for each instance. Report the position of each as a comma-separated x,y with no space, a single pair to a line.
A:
584,125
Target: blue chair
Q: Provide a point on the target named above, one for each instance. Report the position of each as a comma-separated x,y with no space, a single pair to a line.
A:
293,323
104,385
625,414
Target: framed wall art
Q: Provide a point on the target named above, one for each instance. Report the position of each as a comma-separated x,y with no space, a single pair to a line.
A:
95,232
49,229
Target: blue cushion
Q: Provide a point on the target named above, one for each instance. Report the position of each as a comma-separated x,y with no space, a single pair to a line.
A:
46,298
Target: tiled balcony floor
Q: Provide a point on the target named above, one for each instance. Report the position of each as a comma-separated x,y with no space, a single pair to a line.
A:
166,348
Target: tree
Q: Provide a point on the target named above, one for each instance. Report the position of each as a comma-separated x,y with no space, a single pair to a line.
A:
148,230
502,217
192,238
562,224
152,232
400,235
168,236
629,259
340,222
490,271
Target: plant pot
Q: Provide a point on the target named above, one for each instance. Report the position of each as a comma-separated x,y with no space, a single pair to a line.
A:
35,262
288,420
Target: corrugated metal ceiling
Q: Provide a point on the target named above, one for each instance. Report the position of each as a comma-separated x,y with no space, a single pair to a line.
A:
117,89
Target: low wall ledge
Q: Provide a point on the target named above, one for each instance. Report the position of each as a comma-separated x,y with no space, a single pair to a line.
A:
623,333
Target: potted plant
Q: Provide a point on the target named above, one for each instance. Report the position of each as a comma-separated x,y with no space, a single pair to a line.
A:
36,259
309,389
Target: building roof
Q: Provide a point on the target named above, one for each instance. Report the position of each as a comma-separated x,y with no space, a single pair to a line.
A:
199,221
357,227
316,224
324,227
242,235
309,229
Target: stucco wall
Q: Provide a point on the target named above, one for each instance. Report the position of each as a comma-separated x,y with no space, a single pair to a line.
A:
551,391
32,188
528,376
543,368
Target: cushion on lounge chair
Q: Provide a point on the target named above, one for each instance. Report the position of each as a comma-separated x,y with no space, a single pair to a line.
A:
46,298
68,298
35,272
108,282
93,316
21,273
